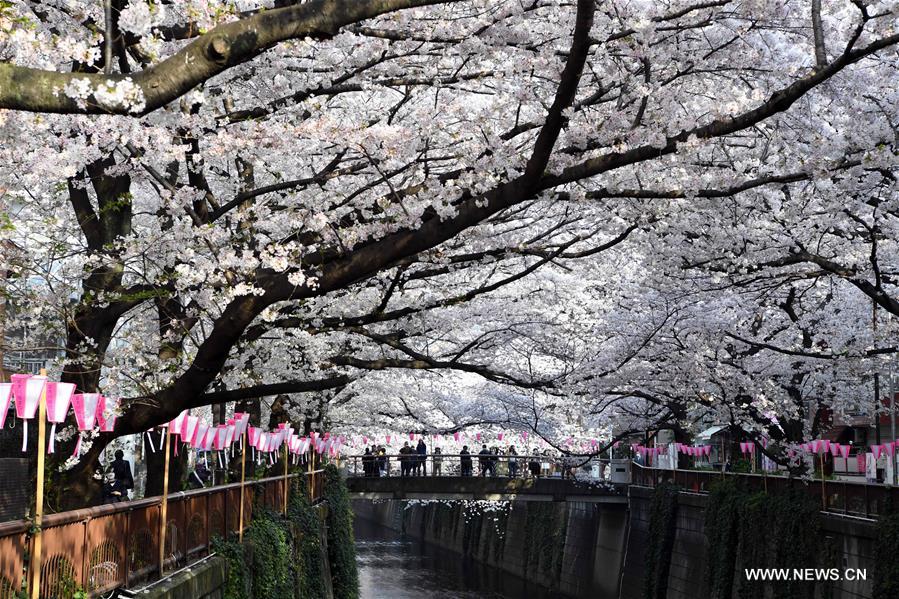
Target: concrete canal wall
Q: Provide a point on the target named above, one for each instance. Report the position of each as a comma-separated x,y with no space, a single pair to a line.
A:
599,551
572,547
850,542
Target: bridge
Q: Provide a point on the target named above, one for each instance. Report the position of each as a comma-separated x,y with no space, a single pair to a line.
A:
485,488
492,477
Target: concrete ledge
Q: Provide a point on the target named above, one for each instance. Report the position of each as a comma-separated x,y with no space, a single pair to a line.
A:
203,580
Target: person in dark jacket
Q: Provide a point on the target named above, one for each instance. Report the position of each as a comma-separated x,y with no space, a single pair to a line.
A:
465,461
513,462
534,466
422,450
383,462
113,489
368,462
200,475
121,469
406,459
485,459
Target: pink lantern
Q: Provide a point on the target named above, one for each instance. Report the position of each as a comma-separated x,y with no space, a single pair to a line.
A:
388,439
500,436
253,435
5,399
27,391
221,433
177,424
199,433
85,407
412,436
457,436
106,416
59,398
262,441
209,439
241,420
189,428
478,436
835,449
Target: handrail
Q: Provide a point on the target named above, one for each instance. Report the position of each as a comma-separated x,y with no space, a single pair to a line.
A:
69,516
762,476
473,455
836,496
108,546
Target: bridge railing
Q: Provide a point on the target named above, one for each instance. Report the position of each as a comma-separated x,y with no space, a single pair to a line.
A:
454,464
117,545
836,496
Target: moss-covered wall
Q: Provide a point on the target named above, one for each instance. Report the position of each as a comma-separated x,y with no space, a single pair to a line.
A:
714,537
309,552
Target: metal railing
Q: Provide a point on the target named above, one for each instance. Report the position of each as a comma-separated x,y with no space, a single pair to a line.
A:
837,496
447,464
117,545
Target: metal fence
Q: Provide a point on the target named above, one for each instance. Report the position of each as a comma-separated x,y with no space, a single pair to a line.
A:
446,464
836,496
117,545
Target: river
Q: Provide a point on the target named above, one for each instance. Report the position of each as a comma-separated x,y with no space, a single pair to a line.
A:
393,566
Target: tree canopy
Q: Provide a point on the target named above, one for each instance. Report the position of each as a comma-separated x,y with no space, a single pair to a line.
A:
423,214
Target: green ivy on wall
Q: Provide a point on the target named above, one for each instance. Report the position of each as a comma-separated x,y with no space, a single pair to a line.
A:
722,530
886,564
341,544
306,529
237,581
284,557
761,530
662,529
267,541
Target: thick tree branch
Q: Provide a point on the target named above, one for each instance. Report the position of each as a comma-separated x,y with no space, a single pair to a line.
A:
227,45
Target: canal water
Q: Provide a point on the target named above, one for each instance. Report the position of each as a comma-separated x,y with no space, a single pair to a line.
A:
393,566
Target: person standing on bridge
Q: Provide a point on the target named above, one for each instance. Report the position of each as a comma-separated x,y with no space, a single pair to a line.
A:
534,466
421,468
437,469
484,460
368,462
406,460
465,461
383,466
513,462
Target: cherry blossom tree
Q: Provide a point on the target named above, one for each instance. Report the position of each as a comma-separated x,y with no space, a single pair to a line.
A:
433,214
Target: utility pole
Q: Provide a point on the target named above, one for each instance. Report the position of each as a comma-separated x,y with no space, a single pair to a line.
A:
892,424
876,378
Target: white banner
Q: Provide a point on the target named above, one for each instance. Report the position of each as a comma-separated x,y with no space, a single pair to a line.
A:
870,468
888,470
